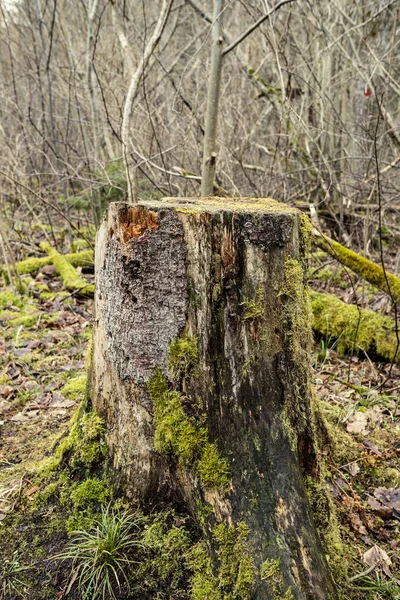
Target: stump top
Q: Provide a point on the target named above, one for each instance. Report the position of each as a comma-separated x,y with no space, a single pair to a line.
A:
214,204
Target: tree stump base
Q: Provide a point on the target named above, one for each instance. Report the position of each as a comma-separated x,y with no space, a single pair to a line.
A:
201,372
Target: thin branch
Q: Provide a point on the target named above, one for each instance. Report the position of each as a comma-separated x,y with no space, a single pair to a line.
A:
254,26
132,91
31,191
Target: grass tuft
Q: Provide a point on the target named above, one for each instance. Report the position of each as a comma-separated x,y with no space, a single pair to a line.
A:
100,557
12,583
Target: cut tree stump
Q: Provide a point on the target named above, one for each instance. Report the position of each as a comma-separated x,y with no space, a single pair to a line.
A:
201,372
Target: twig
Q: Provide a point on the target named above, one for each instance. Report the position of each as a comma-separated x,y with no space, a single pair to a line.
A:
250,30
47,203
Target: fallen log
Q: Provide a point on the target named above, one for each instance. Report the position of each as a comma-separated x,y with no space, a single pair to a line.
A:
201,374
365,268
34,263
354,329
71,279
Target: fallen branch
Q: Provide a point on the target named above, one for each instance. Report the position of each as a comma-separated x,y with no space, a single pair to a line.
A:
365,268
352,327
69,275
76,259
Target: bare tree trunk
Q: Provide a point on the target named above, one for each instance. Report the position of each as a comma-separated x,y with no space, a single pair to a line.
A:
214,85
91,14
130,97
201,374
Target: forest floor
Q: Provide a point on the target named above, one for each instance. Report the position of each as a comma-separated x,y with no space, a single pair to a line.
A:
43,342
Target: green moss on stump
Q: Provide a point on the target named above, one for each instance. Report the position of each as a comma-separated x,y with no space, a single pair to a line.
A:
354,329
254,307
214,204
297,320
184,436
328,527
183,355
297,311
84,446
233,576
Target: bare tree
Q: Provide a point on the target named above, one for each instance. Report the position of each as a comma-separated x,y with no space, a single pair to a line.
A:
132,91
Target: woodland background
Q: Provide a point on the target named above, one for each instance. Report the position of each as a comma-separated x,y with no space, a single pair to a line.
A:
309,115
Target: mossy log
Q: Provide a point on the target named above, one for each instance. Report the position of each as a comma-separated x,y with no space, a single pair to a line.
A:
354,329
368,270
71,279
201,373
34,263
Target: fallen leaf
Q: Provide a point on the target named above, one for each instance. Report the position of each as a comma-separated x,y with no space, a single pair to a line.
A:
19,418
376,557
48,269
4,407
384,512
358,423
374,415
389,497
63,404
61,412
366,539
373,447
22,351
31,414
32,490
357,524
22,417
6,390
352,468
34,344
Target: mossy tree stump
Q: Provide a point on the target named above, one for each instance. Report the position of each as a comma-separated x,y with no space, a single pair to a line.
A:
201,374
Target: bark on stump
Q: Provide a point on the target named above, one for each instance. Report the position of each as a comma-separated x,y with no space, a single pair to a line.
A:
201,374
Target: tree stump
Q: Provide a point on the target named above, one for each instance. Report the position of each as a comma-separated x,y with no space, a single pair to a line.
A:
201,372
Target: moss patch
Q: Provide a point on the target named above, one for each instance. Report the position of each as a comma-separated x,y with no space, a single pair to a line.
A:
354,329
72,281
367,269
33,263
297,319
328,527
166,540
232,578
8,299
184,436
183,355
254,307
75,388
83,448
